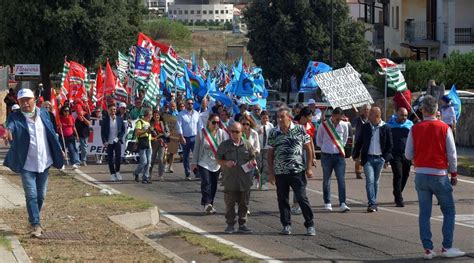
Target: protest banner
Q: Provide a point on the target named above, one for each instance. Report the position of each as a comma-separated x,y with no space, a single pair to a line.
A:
95,145
174,137
343,88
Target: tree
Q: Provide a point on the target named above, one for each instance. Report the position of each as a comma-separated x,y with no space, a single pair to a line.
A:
44,32
285,35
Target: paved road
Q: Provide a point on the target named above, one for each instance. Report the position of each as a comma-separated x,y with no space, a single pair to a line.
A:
388,235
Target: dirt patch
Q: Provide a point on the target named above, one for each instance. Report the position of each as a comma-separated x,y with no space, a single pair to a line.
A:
68,210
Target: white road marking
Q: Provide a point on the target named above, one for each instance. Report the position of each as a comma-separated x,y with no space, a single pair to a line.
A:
217,238
390,210
187,224
465,181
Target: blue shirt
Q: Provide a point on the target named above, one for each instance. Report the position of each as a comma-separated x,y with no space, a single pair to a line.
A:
187,123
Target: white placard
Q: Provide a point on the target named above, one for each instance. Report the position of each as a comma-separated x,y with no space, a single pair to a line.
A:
27,70
95,145
343,88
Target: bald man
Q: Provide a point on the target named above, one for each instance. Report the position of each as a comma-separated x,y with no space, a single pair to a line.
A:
400,127
374,147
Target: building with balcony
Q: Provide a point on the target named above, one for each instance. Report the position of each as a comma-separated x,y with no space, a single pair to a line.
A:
158,6
191,11
419,29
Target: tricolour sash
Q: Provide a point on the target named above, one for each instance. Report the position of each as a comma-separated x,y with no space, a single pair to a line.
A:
225,126
331,130
211,140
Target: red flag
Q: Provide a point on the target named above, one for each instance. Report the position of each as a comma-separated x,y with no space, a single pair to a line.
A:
386,63
109,82
154,46
75,80
54,106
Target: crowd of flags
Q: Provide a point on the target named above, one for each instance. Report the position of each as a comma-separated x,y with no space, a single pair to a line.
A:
158,71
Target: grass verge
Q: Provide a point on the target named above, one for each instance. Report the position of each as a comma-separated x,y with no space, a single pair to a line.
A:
67,209
225,252
5,242
466,165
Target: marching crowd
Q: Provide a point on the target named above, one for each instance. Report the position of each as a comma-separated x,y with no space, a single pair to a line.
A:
245,150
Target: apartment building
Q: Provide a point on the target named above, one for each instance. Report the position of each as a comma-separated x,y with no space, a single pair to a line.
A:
193,12
421,29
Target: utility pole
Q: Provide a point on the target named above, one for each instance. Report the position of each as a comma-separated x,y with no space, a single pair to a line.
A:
331,54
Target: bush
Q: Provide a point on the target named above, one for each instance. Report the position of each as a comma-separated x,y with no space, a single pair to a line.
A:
166,29
418,73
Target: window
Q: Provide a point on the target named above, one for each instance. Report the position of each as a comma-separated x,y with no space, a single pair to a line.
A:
226,11
180,12
198,12
393,16
185,12
397,13
386,15
210,12
204,12
192,12
222,12
174,12
222,20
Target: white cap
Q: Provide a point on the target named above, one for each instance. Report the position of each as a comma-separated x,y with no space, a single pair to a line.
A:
15,107
122,104
25,93
311,101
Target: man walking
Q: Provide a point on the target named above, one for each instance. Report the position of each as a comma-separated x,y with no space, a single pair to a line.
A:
287,168
112,131
431,146
237,159
374,147
357,126
187,127
34,149
331,138
400,127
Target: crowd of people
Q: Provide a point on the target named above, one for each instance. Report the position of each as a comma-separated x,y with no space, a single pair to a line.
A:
246,151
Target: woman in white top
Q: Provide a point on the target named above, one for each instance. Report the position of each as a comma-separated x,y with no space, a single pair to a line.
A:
204,160
249,133
448,115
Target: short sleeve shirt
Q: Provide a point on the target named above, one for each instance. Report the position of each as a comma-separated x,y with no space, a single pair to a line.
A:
288,149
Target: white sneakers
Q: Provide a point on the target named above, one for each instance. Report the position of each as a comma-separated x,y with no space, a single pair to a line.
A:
75,166
113,177
264,187
328,207
452,252
447,253
344,207
119,176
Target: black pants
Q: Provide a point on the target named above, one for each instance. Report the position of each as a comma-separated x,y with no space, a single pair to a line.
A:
114,152
298,184
235,197
401,172
208,185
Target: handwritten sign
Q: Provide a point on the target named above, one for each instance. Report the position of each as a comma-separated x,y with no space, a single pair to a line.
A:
343,88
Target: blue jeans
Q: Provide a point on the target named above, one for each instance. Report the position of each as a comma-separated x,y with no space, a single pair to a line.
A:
187,148
145,161
35,186
208,185
440,186
372,170
83,149
336,162
72,149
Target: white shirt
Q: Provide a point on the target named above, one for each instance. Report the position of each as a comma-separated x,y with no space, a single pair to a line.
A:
374,147
448,115
253,140
113,132
324,141
187,123
268,127
39,155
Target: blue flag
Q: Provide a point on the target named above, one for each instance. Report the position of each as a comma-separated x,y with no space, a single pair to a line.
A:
455,101
308,83
244,86
219,96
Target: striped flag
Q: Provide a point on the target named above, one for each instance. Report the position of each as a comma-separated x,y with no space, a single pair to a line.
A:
395,79
122,66
140,63
120,92
64,85
171,64
152,90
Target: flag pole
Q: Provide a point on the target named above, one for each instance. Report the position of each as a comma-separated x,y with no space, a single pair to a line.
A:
385,99
64,143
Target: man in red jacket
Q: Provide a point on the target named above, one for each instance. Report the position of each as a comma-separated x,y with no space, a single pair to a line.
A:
430,144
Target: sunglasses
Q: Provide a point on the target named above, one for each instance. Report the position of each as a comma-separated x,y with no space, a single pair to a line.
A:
190,103
257,109
246,124
214,122
235,132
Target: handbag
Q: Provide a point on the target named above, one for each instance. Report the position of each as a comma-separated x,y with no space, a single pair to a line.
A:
143,143
132,146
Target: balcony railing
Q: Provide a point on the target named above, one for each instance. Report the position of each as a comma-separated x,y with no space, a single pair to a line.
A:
420,30
463,36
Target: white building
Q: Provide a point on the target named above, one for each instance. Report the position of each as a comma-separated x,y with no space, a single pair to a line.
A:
199,13
160,6
417,28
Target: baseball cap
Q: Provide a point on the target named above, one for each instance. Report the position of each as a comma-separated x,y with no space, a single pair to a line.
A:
15,107
25,93
122,104
311,101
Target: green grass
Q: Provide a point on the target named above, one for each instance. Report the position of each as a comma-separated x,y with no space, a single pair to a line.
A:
225,252
5,242
113,200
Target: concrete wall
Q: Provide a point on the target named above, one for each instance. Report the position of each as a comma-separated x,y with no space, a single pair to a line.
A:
465,127
463,12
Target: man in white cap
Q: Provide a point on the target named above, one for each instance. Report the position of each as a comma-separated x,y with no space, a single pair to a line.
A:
32,137
15,107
